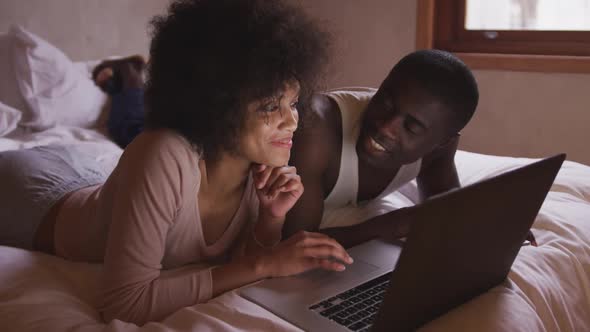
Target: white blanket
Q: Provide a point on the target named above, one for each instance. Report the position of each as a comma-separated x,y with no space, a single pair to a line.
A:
548,288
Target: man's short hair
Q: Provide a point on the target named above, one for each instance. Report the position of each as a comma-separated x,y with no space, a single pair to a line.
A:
443,76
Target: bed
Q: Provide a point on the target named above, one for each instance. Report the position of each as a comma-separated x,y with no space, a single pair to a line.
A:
548,288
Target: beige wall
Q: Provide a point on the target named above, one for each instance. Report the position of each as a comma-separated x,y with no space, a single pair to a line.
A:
370,35
520,114
531,114
85,29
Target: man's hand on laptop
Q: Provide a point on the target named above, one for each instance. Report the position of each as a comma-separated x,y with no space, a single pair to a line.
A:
302,252
394,224
531,238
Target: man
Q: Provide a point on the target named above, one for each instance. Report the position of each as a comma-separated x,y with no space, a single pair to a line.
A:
359,146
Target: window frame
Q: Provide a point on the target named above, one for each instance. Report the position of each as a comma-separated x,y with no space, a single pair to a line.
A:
440,24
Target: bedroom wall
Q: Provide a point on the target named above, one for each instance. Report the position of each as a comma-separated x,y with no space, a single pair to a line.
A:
520,114
370,37
85,29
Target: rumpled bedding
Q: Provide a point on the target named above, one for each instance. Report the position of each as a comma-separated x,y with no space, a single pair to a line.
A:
548,288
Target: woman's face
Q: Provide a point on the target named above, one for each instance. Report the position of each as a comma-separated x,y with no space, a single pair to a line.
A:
267,134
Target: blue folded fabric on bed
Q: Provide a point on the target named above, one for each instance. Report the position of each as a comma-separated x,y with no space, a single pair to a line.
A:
126,119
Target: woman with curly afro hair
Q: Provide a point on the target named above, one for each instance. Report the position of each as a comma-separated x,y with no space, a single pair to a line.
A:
206,185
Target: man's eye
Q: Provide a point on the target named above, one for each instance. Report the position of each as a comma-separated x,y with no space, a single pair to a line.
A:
413,127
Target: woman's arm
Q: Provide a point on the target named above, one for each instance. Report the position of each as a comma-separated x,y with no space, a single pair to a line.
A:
301,252
146,194
146,198
277,190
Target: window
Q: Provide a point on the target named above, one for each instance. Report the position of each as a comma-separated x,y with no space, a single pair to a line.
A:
542,15
530,35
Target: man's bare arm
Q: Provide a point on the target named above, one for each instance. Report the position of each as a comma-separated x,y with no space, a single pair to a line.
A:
310,155
439,173
392,225
313,147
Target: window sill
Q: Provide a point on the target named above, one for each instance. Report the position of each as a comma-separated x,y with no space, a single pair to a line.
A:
527,63
488,61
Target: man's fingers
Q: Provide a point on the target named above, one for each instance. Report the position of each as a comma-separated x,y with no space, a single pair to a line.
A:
531,239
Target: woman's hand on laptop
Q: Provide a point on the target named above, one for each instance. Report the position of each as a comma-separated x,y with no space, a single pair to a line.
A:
305,251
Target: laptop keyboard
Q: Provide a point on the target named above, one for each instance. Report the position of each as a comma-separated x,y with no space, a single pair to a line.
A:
355,308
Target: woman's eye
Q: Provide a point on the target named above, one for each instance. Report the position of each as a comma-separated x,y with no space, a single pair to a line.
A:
270,108
295,105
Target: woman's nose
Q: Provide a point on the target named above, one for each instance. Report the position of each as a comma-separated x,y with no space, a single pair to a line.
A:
289,117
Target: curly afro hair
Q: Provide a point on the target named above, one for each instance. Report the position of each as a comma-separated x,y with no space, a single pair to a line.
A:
210,58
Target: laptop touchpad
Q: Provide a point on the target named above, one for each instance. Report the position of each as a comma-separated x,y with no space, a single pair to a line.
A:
320,277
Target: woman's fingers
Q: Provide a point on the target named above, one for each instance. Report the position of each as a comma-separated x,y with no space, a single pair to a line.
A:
275,174
303,235
285,183
293,186
258,167
327,252
265,176
305,251
319,246
326,264
261,174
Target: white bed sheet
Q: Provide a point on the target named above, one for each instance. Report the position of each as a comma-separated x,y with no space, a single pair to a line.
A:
548,288
94,138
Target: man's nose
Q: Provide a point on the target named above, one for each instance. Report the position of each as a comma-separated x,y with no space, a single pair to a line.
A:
390,126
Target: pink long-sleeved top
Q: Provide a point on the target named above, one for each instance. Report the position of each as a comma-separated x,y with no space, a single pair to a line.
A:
144,224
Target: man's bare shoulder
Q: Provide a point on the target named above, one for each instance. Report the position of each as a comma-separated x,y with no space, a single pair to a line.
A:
323,116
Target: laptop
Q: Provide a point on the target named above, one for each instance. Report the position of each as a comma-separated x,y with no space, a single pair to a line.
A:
461,244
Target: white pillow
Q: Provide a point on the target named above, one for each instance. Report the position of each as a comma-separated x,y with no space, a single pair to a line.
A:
9,118
56,91
9,92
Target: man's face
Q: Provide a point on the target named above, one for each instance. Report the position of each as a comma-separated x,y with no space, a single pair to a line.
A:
401,125
267,133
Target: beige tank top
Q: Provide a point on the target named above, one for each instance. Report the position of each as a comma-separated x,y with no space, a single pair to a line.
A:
352,103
